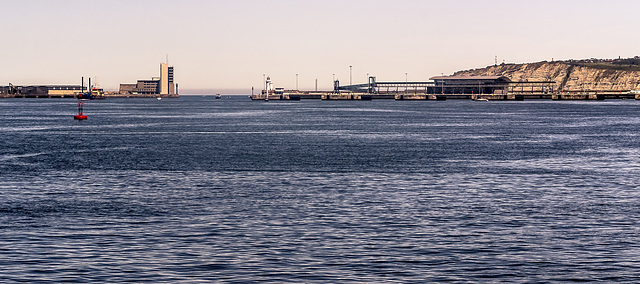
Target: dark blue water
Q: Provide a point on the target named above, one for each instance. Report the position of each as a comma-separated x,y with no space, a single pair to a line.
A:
202,190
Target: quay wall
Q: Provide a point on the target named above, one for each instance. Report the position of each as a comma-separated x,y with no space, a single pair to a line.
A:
112,95
118,95
519,96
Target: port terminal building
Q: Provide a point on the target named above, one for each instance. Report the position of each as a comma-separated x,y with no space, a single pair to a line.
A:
157,86
449,85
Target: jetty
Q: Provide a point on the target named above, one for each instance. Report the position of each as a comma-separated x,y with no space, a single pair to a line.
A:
483,88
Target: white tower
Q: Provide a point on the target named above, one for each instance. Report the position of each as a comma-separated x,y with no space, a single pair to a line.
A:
164,78
269,85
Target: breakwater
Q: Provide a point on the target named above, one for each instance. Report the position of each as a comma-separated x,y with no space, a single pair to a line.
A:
102,96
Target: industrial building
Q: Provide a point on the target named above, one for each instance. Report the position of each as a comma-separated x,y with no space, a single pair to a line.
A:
40,91
162,86
470,84
450,85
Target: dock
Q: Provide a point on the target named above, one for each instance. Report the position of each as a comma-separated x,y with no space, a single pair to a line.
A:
587,95
482,88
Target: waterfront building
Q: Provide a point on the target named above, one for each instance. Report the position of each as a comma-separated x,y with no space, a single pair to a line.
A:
40,91
163,85
470,84
449,85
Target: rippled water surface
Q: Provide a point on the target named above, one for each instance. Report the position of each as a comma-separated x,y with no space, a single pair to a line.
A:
203,190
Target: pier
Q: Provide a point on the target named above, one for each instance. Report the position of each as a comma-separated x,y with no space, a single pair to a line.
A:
484,88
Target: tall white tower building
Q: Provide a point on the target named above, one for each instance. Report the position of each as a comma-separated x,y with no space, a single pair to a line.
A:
164,78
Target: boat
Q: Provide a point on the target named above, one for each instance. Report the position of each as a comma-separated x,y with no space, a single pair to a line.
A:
92,93
159,98
482,100
97,93
85,96
218,96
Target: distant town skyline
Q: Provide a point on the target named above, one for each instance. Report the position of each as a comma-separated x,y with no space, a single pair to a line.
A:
227,45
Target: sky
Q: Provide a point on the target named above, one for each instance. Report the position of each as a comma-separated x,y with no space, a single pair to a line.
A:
228,46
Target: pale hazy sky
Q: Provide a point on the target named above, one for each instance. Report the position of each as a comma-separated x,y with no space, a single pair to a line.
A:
230,44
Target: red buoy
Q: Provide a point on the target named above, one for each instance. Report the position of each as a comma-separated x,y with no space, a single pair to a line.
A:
80,116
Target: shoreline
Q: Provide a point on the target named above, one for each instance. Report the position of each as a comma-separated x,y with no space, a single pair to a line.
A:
105,96
514,96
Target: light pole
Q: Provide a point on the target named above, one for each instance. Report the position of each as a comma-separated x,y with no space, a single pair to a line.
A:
264,80
350,74
296,81
368,83
406,82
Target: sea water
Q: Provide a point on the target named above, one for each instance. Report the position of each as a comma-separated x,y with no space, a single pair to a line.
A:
198,189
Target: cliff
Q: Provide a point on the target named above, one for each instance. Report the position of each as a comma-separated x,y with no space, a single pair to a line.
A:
592,74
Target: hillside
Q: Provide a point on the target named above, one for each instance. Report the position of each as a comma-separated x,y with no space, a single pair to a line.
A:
591,74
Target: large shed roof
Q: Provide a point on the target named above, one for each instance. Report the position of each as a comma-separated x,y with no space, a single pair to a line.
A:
495,78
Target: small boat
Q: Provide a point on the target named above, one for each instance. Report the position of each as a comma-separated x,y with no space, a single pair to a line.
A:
97,94
482,100
90,94
158,98
93,94
218,96
85,96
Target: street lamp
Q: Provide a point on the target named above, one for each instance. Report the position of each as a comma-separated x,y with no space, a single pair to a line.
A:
368,83
350,75
406,82
296,81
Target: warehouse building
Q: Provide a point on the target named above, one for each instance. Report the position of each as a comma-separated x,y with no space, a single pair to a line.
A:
40,91
470,84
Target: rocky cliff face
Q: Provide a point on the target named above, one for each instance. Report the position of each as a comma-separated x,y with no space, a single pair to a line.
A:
567,75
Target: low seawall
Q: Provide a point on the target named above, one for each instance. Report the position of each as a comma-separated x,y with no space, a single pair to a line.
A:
106,95
518,96
118,95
